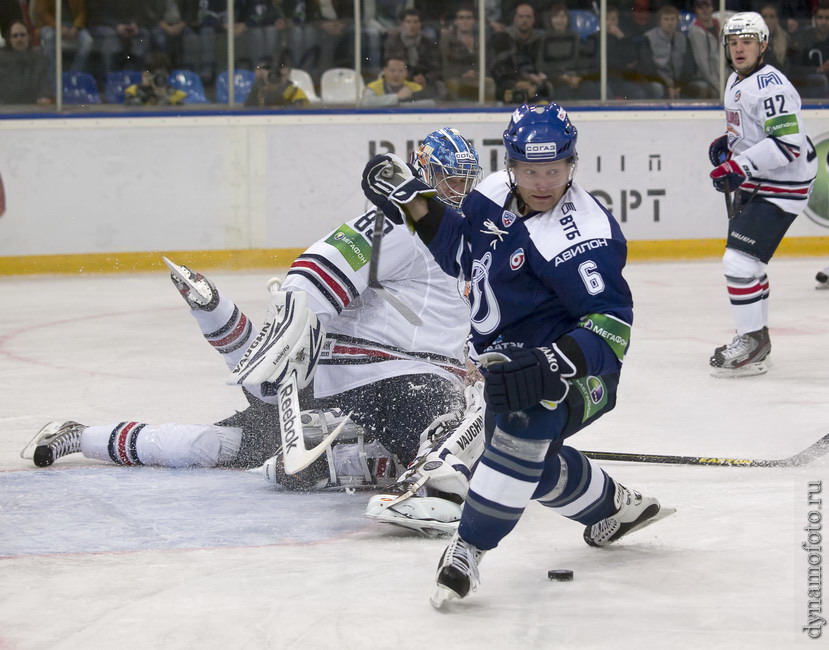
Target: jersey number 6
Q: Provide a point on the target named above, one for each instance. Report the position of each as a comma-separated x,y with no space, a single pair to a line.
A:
592,279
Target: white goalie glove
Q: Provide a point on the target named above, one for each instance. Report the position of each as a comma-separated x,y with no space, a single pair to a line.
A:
290,341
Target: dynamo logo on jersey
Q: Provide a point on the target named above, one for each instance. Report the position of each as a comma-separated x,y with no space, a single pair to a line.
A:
540,150
768,79
516,260
508,218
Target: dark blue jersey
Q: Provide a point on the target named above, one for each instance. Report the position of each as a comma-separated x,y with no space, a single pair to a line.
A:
536,278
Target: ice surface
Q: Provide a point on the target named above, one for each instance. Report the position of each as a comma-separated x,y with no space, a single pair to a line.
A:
97,556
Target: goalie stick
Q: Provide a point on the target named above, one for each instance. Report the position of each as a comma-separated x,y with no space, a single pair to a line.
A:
295,456
813,451
373,267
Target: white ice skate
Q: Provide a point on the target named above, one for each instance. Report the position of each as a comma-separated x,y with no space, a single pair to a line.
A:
54,440
745,356
430,516
197,290
457,572
633,512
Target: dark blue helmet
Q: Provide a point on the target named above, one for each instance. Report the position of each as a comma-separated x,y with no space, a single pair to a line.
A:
540,134
448,162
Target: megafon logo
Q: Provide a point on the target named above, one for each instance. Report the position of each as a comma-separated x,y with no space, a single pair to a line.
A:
818,207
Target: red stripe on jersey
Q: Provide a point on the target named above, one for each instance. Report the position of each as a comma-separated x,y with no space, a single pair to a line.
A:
121,443
363,352
236,333
380,354
325,277
777,190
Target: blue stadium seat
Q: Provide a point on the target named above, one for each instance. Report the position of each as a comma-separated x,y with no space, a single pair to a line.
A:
242,82
686,19
190,83
583,22
117,83
80,88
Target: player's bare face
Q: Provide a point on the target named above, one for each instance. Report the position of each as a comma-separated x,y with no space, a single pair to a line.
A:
745,53
541,185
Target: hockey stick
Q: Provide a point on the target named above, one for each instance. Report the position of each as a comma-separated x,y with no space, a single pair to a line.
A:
373,268
729,206
295,456
813,451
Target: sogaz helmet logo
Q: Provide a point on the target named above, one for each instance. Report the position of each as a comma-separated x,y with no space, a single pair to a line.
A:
596,389
540,150
818,207
340,235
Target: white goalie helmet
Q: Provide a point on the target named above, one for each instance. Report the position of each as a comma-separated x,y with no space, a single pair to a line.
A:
745,23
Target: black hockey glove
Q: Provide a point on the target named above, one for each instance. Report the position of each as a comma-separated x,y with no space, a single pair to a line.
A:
718,151
389,183
519,378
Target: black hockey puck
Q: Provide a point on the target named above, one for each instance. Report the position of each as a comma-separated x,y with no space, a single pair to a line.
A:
560,575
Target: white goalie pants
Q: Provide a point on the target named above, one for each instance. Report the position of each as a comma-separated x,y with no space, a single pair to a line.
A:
161,445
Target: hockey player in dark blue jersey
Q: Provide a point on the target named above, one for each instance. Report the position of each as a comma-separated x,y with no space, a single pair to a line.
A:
551,318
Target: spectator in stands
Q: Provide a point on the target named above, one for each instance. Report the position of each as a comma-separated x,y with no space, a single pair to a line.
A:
155,88
273,86
524,34
392,88
74,34
24,75
560,58
170,31
515,75
777,52
381,18
119,30
210,21
459,58
666,59
329,36
12,10
810,62
623,78
706,47
256,32
420,52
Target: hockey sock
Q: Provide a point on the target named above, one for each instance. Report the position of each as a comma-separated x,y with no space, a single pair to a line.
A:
227,329
165,445
576,487
748,297
501,488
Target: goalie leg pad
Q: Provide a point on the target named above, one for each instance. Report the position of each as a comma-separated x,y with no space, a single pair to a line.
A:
290,341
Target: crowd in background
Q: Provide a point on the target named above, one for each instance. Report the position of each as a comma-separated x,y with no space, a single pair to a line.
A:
413,51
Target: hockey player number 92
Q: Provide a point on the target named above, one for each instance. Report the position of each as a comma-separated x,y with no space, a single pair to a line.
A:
592,279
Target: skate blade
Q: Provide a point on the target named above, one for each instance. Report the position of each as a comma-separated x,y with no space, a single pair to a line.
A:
29,450
195,290
748,370
441,596
427,527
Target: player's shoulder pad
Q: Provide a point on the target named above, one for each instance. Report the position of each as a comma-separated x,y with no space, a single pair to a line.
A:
495,187
579,223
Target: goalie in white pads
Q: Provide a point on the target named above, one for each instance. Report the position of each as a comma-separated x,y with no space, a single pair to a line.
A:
394,378
767,159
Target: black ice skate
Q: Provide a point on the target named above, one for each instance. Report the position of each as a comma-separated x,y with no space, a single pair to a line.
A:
54,440
634,512
457,572
197,290
745,356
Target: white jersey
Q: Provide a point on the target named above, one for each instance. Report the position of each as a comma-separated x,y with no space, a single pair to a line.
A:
368,340
767,138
